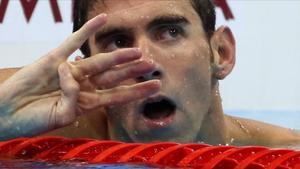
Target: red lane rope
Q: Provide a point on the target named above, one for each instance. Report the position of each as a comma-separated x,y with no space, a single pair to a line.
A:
167,154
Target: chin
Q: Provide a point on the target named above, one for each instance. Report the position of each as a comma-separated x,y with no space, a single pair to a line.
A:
181,133
156,118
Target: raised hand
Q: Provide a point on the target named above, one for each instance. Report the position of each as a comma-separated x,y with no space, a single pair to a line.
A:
51,92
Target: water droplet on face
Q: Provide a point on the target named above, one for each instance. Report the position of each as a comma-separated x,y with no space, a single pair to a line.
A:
209,68
147,51
76,123
171,6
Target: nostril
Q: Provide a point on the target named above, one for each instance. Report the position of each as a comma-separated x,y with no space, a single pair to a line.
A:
140,79
156,73
149,76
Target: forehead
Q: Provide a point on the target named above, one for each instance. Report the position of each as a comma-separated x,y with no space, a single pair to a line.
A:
139,11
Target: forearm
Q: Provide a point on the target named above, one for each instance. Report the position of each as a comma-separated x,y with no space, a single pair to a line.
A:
6,73
10,129
14,124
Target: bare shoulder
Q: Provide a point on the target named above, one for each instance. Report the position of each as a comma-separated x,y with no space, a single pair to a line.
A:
252,132
6,73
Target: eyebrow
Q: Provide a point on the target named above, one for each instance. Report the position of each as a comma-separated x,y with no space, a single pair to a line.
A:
167,19
164,19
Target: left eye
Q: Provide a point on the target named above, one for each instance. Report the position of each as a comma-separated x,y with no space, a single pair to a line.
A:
117,41
168,33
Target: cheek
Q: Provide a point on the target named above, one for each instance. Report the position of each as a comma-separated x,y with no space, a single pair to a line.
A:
123,116
192,67
196,94
197,80
193,77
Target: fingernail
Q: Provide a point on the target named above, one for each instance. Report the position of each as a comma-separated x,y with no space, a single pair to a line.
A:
77,58
137,50
103,15
157,82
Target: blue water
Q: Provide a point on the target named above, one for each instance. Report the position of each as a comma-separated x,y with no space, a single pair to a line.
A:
21,164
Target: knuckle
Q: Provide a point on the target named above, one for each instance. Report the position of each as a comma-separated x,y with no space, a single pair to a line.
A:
73,87
62,120
122,88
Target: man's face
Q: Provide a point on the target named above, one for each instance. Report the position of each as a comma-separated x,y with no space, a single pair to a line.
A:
171,34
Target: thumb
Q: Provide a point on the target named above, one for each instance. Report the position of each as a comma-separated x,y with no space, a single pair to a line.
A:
66,108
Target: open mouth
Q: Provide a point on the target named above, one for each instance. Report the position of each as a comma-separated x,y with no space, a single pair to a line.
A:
158,108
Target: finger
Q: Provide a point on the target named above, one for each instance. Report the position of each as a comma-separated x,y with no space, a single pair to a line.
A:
66,107
114,76
119,95
101,62
73,42
77,58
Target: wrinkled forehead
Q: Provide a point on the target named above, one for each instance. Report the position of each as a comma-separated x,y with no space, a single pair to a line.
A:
137,11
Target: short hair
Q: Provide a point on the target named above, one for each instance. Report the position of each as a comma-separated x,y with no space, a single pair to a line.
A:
204,8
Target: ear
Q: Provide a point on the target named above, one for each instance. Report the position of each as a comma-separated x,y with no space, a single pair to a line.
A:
223,49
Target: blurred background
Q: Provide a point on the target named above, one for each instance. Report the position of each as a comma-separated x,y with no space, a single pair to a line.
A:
265,84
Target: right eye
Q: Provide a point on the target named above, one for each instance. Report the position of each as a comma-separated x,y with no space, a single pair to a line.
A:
115,42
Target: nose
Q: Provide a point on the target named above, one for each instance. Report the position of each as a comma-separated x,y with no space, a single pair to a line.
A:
149,52
155,74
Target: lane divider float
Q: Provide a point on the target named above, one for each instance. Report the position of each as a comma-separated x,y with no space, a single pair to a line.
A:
166,154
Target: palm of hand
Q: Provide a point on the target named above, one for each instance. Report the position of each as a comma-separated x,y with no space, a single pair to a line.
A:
51,92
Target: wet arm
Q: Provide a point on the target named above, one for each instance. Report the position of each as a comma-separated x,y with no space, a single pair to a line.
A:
6,73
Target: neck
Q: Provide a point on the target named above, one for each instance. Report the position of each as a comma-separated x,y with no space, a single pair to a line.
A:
213,129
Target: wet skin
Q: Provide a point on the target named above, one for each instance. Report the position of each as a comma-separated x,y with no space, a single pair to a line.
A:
188,64
169,33
175,60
